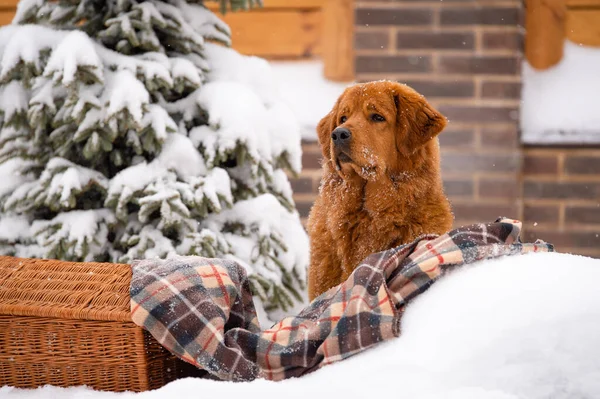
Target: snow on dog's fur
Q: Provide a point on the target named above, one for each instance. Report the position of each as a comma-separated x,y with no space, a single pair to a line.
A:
381,184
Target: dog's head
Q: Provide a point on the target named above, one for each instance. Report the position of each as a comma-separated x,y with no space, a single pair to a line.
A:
377,128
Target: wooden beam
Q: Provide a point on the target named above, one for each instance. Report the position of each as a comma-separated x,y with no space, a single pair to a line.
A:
9,4
583,3
338,40
583,27
6,16
545,26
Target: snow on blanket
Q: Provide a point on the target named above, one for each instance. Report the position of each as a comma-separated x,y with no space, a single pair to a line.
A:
202,311
508,328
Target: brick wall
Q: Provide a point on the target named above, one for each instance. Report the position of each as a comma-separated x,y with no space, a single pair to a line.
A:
306,185
465,57
561,198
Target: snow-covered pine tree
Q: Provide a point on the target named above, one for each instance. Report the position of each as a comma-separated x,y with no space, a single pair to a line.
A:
126,132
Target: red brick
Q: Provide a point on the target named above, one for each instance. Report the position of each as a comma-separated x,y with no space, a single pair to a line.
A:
502,40
479,64
540,214
561,190
443,88
507,137
582,165
393,63
458,188
393,16
565,239
535,165
469,162
371,40
499,188
435,40
480,16
311,160
457,113
302,185
583,214
477,212
499,89
304,207
457,138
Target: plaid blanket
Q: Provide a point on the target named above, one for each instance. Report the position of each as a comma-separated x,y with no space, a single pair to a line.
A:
202,311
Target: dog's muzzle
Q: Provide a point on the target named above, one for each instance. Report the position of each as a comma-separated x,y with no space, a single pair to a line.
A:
341,145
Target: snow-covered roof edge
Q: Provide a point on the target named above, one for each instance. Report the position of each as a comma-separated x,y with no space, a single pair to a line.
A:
561,137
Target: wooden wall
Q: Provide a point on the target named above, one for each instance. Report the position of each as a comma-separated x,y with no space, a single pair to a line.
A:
7,11
284,29
280,29
583,22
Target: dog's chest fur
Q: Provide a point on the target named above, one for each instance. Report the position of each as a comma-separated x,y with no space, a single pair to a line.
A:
362,223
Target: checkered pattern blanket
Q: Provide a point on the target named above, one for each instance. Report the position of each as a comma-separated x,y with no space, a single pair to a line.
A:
202,311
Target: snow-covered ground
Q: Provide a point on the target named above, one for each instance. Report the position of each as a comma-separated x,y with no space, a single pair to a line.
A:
560,104
306,91
517,327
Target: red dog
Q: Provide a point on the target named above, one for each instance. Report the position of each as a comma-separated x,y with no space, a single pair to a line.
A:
381,184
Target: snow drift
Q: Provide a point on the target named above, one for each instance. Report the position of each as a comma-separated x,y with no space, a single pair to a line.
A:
517,327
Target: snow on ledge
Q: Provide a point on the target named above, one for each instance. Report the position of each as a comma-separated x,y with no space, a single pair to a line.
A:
547,137
561,105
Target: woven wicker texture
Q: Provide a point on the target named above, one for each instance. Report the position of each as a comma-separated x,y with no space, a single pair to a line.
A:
67,290
68,324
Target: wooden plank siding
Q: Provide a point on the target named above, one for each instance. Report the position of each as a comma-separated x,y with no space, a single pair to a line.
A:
288,29
583,3
284,29
7,11
276,33
583,26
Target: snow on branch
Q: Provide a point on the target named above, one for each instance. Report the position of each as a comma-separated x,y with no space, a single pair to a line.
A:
74,235
57,188
145,242
259,231
205,22
125,134
13,104
74,54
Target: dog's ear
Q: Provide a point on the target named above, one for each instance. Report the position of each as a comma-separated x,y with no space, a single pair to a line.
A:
418,122
324,129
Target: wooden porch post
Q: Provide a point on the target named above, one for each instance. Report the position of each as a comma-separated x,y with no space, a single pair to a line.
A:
338,40
545,32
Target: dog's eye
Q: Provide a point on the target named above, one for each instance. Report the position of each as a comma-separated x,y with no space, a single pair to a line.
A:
343,119
377,118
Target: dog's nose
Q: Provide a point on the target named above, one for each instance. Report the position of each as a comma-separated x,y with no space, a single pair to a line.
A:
341,136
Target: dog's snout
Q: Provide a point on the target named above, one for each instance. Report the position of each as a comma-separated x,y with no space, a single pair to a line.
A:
341,136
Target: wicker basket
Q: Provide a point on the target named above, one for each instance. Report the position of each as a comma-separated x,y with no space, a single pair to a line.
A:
67,324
